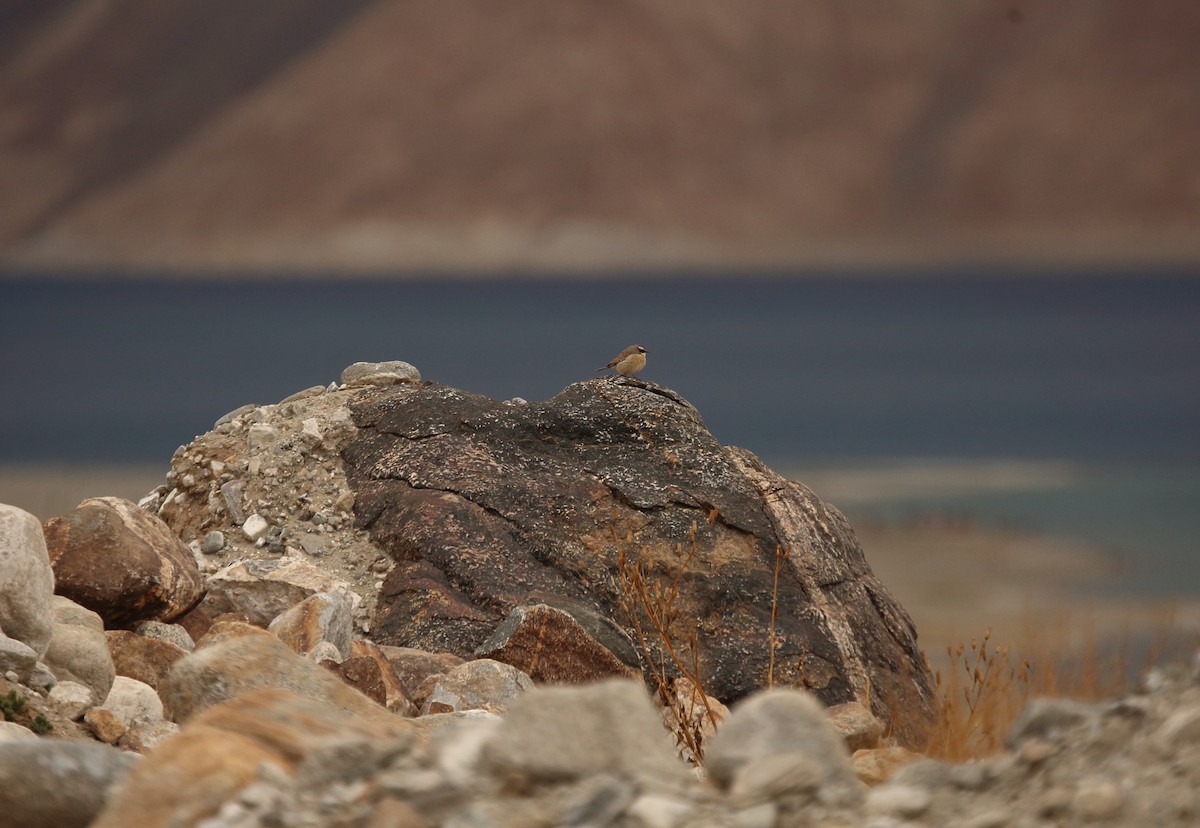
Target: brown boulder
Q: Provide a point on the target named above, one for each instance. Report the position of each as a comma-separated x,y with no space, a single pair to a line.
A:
395,694
146,659
361,673
230,667
322,616
122,562
221,751
414,667
552,647
482,504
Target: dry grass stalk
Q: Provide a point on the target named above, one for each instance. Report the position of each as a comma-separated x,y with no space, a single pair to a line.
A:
985,687
652,607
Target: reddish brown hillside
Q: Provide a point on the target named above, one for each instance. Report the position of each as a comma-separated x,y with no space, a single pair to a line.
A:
546,132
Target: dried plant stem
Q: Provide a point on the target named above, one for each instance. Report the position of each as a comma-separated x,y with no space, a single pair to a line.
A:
652,609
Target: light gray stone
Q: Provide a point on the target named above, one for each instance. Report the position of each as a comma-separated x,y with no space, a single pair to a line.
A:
16,657
26,579
213,542
54,783
890,799
379,373
1048,716
777,722
255,527
597,800
71,699
41,679
654,810
458,740
438,726
762,815
171,633
324,651
261,589
13,732
858,726
142,736
480,684
67,611
132,701
1096,800
773,776
553,734
232,492
231,667
80,654
261,437
233,415
1180,729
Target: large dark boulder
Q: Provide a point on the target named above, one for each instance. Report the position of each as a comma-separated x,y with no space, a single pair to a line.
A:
482,503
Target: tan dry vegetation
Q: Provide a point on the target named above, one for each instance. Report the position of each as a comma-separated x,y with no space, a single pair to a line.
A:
985,685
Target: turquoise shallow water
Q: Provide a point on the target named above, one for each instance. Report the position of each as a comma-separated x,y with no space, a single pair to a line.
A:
1098,369
1146,518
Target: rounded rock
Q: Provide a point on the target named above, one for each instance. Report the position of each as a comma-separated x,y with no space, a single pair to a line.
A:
380,373
907,801
213,542
26,579
53,783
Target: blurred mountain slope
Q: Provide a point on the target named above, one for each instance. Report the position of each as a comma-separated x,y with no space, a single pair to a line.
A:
282,134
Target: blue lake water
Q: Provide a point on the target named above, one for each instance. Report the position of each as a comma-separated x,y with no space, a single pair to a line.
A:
1101,369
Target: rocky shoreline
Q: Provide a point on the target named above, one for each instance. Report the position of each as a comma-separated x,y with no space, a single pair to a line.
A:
234,650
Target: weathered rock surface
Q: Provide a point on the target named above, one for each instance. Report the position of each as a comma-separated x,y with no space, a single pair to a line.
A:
17,657
396,697
782,723
13,732
858,728
323,616
57,784
482,684
225,749
569,733
26,580
171,633
122,562
71,699
229,667
415,667
146,659
261,589
551,646
79,652
78,648
482,503
464,509
281,462
105,725
131,701
380,373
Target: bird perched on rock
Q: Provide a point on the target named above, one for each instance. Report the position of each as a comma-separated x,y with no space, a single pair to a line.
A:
628,362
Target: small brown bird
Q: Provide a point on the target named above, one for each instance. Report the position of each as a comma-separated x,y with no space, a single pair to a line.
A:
628,362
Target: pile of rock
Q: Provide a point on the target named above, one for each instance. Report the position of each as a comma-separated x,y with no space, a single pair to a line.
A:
240,667
447,518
